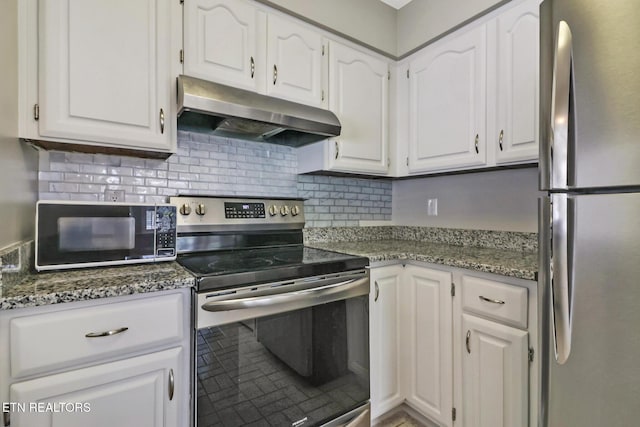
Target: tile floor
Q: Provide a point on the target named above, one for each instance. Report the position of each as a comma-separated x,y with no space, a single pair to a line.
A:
399,419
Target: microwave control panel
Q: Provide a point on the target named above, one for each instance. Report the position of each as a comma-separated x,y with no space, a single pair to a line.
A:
165,231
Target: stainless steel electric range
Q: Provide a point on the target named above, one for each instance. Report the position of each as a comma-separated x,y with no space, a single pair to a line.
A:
282,330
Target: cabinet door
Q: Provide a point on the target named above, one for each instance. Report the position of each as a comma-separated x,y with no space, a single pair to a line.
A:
105,72
221,43
429,347
359,96
516,125
495,375
132,392
385,332
294,61
447,104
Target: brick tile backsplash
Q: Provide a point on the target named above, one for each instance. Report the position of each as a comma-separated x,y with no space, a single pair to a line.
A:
208,165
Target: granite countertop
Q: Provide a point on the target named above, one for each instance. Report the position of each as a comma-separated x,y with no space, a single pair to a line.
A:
506,262
35,289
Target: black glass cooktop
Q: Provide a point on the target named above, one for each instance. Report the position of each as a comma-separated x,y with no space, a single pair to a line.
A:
235,268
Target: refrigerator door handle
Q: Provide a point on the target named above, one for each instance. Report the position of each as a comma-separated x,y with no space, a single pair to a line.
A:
562,243
560,108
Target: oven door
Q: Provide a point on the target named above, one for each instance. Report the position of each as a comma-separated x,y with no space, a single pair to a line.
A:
294,353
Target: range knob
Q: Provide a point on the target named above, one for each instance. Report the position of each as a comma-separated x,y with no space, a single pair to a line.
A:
295,210
284,211
201,209
273,210
185,209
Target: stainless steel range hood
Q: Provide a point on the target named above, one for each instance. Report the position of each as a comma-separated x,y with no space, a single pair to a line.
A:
217,109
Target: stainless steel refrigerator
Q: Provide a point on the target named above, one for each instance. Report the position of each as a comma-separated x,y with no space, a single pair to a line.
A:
589,275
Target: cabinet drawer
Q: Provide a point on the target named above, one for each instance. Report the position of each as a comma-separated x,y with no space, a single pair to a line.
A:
54,341
495,300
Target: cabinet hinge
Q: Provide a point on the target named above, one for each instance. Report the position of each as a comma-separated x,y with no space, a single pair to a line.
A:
36,112
407,161
388,161
182,56
531,353
322,95
407,73
453,289
322,50
388,75
453,414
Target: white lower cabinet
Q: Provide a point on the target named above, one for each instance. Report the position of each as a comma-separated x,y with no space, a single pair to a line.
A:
454,345
120,361
385,332
429,348
495,371
134,392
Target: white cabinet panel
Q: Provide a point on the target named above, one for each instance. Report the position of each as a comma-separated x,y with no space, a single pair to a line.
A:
428,304
359,96
447,104
105,74
132,392
495,374
385,333
221,42
294,62
516,126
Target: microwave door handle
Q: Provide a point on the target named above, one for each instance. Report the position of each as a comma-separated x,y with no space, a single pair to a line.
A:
322,294
562,274
560,108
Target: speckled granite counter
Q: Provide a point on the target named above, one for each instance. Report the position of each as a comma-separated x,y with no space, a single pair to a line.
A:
34,289
506,258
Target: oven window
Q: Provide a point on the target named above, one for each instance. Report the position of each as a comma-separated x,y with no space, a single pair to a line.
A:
302,367
98,233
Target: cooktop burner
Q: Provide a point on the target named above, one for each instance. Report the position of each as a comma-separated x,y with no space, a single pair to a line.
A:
232,268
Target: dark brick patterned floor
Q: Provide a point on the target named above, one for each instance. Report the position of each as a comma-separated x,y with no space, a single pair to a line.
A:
240,383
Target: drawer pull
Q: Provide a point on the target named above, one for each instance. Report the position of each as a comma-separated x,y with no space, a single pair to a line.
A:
493,301
106,333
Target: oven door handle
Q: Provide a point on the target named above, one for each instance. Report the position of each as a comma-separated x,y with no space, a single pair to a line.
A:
320,295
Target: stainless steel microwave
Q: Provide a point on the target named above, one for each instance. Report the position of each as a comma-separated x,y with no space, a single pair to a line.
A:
78,234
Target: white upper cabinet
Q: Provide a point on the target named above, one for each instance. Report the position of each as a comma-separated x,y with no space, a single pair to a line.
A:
359,96
105,74
294,62
447,97
221,42
515,128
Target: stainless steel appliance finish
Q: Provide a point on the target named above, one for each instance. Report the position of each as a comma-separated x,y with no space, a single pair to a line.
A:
282,330
89,234
589,228
227,111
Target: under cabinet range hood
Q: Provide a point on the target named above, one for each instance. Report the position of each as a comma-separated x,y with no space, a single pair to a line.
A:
213,108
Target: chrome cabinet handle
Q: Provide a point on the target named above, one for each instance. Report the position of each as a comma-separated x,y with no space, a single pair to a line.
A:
500,138
171,384
275,74
322,294
106,333
493,301
468,342
6,418
161,121
560,114
476,143
337,150
562,273
253,67
377,294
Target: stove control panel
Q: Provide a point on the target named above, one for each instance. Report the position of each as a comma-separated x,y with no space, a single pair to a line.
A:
220,213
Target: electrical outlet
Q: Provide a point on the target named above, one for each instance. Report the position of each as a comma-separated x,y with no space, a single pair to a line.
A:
113,195
432,207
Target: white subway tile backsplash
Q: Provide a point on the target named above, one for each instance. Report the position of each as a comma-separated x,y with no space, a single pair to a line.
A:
209,165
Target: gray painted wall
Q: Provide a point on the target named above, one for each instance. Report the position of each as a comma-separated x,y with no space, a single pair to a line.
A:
423,20
499,200
18,162
368,21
